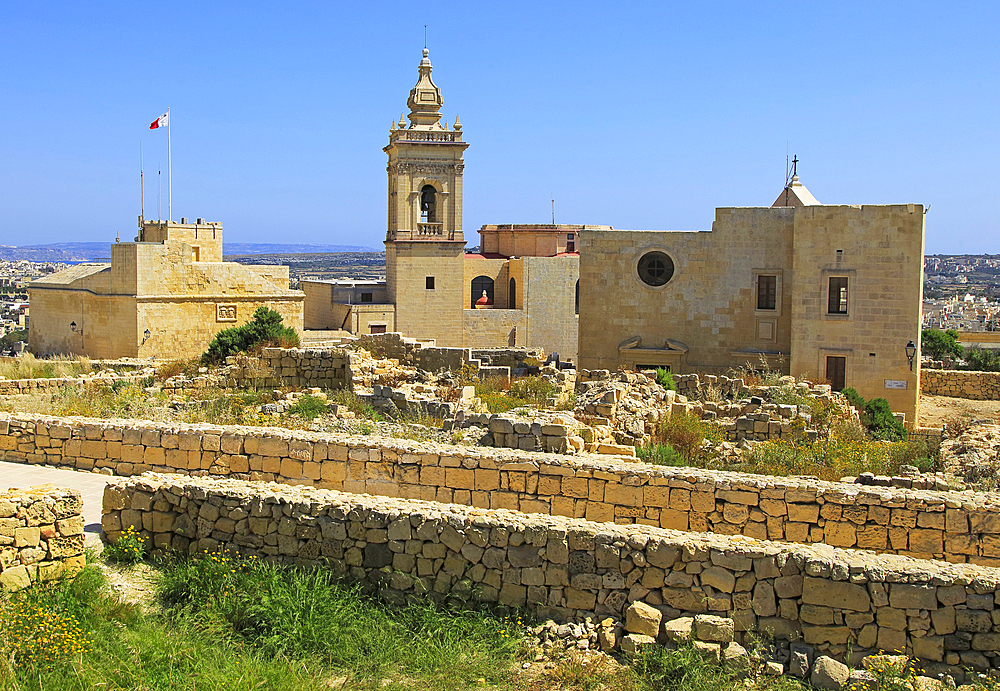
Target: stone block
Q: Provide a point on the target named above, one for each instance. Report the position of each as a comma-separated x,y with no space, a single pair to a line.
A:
708,627
643,619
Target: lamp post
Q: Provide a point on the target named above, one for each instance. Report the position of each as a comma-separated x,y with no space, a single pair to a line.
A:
911,351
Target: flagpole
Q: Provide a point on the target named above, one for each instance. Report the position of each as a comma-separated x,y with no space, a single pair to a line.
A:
170,191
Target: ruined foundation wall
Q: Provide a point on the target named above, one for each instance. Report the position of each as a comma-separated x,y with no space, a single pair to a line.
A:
41,535
922,523
845,603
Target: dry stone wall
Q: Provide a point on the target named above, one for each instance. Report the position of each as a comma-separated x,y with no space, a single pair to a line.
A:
977,386
9,387
955,526
41,535
842,603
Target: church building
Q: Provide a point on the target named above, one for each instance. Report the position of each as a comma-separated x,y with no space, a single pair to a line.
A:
826,292
519,289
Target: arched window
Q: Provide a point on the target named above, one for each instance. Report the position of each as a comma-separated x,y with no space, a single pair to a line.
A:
479,284
512,295
577,308
428,204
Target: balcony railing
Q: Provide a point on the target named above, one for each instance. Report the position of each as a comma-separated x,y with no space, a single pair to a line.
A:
425,136
430,228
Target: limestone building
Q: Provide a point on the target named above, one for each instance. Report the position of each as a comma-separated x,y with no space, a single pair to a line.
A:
165,295
826,291
434,289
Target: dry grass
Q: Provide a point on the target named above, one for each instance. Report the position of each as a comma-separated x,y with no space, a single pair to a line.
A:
27,366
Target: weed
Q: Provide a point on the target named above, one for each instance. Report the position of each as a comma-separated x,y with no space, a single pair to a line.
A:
130,548
834,458
665,379
500,394
307,407
189,368
355,404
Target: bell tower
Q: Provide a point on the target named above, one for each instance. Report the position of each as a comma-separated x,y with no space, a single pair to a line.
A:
424,243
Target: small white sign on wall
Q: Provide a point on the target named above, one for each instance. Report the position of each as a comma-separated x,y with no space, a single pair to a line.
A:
895,383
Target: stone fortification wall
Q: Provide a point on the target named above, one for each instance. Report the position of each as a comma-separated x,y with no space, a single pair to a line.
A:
41,535
922,523
977,386
840,602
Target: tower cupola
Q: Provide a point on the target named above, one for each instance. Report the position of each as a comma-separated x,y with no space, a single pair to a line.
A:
425,99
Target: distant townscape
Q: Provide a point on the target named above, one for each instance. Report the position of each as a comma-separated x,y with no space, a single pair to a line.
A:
962,292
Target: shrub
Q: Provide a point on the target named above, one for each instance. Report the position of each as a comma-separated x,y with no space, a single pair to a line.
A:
308,407
881,423
939,344
188,368
265,328
13,337
665,379
854,398
981,360
500,394
686,434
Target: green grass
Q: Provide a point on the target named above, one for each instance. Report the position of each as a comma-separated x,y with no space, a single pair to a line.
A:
659,454
235,624
307,614
231,624
126,649
684,670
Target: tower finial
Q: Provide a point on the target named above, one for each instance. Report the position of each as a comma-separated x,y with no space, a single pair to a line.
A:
425,37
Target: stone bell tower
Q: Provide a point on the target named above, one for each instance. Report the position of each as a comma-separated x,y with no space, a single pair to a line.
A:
424,243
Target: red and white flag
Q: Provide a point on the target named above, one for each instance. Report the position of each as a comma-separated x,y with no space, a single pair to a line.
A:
161,121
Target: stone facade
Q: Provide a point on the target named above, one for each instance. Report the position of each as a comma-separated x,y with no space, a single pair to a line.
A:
757,287
41,535
171,282
960,527
977,386
843,603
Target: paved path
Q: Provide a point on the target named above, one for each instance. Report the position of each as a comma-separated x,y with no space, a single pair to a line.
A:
91,486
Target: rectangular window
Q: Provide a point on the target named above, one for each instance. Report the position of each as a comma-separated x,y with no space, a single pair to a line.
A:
377,328
430,282
838,296
836,371
366,297
767,292
569,236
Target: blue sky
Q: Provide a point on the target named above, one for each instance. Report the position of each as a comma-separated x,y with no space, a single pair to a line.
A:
637,115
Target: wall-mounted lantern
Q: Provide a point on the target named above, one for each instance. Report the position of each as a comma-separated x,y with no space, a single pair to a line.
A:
75,329
911,351
145,336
